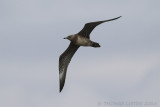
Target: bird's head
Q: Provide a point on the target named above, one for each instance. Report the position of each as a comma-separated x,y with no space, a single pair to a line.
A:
70,37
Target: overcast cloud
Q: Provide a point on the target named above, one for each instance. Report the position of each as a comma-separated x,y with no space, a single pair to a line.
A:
125,68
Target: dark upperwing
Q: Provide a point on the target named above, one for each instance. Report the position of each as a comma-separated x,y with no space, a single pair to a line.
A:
88,27
64,61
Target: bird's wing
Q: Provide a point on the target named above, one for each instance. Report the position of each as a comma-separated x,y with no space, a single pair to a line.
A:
64,61
88,27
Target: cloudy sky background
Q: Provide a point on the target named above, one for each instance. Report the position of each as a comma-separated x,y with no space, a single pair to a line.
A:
125,68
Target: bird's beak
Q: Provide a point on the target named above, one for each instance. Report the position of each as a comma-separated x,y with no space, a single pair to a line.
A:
65,38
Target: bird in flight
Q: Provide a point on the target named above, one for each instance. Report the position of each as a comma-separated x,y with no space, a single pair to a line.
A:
76,40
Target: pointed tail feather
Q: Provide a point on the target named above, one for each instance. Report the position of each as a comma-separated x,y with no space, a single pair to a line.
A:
94,44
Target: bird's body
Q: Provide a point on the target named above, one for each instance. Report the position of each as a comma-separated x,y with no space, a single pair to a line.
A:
83,41
80,39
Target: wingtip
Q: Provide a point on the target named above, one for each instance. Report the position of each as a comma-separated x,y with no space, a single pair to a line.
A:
118,17
60,88
112,19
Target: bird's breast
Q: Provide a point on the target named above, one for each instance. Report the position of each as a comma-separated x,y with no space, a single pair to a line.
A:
82,41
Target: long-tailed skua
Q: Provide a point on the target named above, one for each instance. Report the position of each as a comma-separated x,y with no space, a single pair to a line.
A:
76,40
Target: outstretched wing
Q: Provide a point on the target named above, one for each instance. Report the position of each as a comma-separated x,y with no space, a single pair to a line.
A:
88,27
64,61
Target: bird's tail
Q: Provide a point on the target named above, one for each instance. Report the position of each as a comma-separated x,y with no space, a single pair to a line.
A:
95,44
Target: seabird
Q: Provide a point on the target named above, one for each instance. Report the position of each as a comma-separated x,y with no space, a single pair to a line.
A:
76,40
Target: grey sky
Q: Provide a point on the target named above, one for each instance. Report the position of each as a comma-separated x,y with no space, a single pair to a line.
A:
125,68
